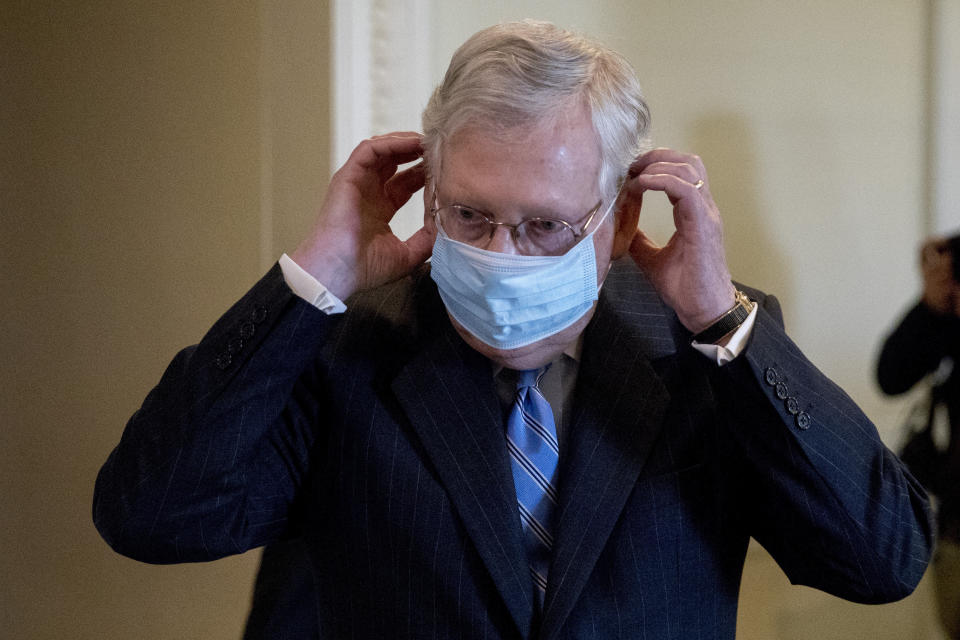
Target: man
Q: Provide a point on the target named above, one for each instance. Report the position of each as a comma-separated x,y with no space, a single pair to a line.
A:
483,446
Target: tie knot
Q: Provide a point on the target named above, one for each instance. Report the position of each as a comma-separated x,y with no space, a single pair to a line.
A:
529,377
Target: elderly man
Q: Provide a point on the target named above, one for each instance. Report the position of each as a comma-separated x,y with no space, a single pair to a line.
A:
554,428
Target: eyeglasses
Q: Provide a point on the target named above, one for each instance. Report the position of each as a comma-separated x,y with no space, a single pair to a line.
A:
532,237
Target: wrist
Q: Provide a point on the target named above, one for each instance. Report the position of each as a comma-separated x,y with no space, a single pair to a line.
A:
720,330
708,314
331,272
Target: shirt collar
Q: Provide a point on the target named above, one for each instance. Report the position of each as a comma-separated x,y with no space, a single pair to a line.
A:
572,351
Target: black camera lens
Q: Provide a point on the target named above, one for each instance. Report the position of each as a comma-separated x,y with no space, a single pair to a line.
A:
953,246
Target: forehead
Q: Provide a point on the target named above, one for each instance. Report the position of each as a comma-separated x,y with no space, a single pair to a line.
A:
552,165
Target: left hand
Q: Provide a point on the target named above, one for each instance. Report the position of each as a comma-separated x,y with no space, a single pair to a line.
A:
690,272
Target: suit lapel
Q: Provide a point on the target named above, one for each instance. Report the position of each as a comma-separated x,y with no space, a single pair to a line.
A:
618,410
448,394
446,390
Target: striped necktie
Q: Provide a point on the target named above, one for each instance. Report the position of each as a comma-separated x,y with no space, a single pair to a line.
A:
533,448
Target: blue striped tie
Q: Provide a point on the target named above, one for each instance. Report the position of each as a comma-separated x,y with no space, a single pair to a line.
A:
532,443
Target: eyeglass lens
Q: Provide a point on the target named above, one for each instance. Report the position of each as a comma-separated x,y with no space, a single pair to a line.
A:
535,236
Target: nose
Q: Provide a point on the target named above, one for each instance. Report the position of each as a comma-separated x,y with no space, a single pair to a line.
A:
502,240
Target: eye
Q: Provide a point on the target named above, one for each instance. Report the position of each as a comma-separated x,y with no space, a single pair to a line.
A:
466,215
545,226
463,222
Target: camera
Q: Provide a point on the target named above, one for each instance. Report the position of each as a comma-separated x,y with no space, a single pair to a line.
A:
953,248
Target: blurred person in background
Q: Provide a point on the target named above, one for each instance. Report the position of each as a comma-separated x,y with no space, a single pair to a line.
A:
927,342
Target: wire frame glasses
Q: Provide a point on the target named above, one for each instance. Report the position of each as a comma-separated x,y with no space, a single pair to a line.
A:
532,237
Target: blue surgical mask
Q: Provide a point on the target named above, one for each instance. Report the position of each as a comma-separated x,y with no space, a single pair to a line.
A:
508,301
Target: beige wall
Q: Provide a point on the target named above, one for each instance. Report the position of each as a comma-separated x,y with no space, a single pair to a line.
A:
153,156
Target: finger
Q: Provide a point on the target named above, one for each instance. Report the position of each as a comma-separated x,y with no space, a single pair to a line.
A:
385,152
694,215
676,188
682,170
669,156
404,184
398,134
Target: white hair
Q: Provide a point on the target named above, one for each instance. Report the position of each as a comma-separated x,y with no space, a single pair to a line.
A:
520,74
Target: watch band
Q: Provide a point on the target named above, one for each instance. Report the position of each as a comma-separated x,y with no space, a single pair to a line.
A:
728,322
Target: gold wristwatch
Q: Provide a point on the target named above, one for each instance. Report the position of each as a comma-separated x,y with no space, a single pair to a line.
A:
729,321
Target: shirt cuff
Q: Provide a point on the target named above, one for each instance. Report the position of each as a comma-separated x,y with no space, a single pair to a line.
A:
306,286
738,342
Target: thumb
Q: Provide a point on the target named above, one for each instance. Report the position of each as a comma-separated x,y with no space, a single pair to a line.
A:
404,184
419,247
643,249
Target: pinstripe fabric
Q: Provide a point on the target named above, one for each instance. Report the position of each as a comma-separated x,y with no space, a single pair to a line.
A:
534,451
376,442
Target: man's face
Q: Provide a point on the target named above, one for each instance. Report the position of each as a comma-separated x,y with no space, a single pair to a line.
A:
549,170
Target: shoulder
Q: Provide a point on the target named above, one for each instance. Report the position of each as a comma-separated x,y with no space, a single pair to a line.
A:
412,301
397,316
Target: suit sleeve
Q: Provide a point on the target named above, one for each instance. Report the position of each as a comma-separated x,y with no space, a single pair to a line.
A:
835,508
211,464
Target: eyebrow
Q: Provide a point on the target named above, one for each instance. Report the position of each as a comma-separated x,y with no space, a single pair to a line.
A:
537,212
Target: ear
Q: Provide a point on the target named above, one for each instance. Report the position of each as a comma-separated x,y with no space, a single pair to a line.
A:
627,215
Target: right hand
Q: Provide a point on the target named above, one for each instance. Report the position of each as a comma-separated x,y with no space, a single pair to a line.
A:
351,246
941,293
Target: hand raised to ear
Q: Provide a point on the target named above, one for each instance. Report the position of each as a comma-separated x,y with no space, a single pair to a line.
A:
351,246
690,271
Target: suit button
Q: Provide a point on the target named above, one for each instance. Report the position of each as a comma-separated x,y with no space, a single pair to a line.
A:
235,345
259,314
803,420
223,361
770,375
247,330
781,391
793,407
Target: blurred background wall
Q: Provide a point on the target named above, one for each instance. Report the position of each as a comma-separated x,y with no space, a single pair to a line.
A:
157,157
152,156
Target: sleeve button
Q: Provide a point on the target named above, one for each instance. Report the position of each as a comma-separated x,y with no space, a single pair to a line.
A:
247,330
793,407
803,420
781,391
771,377
223,361
235,345
259,314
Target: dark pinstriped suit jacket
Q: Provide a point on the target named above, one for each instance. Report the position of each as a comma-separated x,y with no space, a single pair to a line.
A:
375,441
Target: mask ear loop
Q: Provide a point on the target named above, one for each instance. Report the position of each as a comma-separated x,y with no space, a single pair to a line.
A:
606,212
616,198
